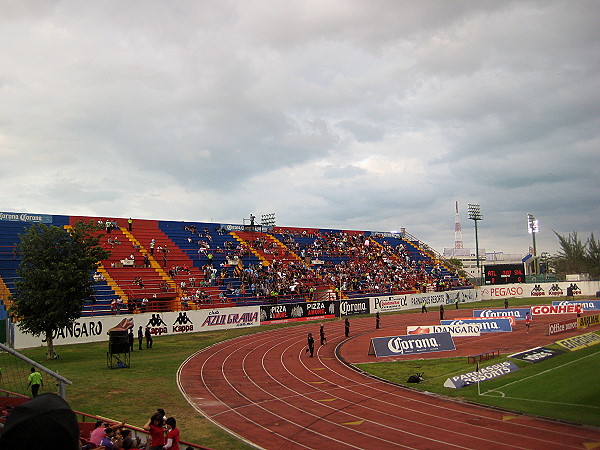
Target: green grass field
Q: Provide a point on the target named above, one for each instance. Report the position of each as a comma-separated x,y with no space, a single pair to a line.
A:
150,382
564,387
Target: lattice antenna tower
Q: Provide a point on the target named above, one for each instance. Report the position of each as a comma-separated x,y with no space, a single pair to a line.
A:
458,242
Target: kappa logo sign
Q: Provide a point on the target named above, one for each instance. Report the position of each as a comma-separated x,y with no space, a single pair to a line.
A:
183,323
157,325
406,345
556,309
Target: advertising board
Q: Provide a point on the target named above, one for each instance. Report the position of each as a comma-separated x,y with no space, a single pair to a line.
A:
408,345
497,325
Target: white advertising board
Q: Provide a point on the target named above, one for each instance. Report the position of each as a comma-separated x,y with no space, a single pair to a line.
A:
95,329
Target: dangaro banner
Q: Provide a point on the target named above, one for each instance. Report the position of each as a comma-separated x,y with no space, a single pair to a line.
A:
408,345
498,325
471,329
587,305
483,374
517,313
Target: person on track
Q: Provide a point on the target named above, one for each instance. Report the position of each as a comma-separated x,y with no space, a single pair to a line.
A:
346,327
527,321
377,321
322,334
441,312
310,345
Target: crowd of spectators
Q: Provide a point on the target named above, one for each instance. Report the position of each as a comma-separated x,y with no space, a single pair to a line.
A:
349,262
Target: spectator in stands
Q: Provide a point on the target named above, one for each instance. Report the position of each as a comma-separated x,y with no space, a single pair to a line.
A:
152,244
35,381
45,422
172,438
97,433
129,444
154,427
108,440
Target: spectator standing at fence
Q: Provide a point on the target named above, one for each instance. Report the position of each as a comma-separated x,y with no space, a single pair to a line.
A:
172,439
154,427
346,327
310,345
108,440
35,381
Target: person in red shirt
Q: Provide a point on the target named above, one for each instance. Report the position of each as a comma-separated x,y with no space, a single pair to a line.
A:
154,426
172,435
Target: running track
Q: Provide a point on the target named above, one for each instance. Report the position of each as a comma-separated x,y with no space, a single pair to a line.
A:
264,389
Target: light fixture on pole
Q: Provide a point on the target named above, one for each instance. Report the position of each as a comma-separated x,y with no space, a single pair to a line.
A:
267,220
533,228
475,215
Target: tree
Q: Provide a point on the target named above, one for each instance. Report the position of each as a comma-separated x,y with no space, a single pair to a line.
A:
592,256
55,277
576,256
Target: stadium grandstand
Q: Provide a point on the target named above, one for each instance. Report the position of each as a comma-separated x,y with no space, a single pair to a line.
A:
158,266
167,267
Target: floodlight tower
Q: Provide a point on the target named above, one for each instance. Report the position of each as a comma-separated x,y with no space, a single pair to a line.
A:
475,215
533,228
268,220
458,242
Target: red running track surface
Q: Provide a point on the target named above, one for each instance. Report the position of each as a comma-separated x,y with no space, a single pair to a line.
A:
266,390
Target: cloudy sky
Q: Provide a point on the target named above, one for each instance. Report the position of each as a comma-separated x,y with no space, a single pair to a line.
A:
348,114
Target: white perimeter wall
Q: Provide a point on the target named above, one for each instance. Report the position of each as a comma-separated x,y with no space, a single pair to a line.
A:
95,329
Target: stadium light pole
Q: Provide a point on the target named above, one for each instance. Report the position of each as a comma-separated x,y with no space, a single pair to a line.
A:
475,215
268,220
533,227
